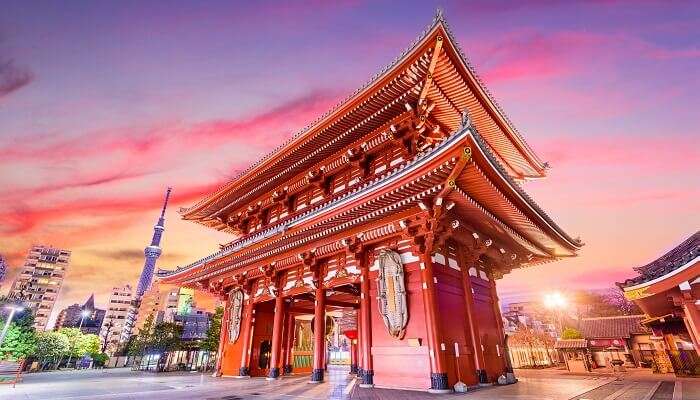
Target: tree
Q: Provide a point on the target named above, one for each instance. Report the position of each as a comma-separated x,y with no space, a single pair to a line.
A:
51,346
616,298
166,337
107,326
73,335
20,342
137,343
571,333
88,344
211,342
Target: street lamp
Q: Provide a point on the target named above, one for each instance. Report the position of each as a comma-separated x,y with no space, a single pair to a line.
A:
83,314
13,309
556,302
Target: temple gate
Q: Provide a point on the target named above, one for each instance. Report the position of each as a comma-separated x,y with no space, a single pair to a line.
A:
402,205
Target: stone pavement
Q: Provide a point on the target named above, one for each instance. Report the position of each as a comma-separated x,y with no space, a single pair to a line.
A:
126,384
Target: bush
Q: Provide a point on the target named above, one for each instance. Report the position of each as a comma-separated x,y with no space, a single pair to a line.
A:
99,359
571,333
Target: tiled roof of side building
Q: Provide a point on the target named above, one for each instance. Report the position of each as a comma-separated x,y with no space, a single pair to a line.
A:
669,262
612,327
571,344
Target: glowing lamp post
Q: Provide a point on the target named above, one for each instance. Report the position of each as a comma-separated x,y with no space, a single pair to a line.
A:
13,311
83,314
556,302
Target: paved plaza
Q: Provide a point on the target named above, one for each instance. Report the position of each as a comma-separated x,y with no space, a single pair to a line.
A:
540,385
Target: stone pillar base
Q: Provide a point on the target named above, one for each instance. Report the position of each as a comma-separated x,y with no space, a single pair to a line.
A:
481,376
438,383
288,369
317,376
274,374
243,372
367,379
353,368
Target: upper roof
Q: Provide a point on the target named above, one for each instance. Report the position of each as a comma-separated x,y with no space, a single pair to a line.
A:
456,87
674,259
612,327
540,234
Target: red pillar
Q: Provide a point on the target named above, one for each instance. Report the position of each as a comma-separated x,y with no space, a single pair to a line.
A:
289,332
277,326
319,334
366,317
353,356
477,349
500,351
692,315
436,347
359,348
223,337
246,337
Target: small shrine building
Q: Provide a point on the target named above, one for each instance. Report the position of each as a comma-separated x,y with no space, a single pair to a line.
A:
401,206
668,291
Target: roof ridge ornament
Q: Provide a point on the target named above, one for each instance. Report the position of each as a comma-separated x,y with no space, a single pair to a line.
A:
466,121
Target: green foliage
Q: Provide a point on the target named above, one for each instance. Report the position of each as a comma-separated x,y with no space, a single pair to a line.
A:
87,344
73,335
137,343
99,359
211,342
165,337
20,342
162,337
571,333
52,345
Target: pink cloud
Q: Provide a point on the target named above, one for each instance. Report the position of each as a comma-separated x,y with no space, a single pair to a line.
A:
670,152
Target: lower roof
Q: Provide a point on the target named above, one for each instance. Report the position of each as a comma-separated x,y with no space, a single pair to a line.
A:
677,258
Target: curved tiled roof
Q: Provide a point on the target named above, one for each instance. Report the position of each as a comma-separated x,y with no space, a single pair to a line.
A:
667,263
456,137
622,326
437,21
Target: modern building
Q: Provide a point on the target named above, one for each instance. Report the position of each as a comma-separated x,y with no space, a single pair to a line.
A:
403,202
668,292
39,282
115,318
160,302
195,323
151,253
72,317
3,268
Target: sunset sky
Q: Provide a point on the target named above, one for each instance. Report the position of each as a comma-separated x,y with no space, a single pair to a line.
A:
103,105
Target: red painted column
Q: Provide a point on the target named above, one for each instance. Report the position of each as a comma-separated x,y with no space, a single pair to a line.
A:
353,356
436,347
289,333
366,317
277,327
360,343
497,315
319,334
246,337
693,317
223,337
466,262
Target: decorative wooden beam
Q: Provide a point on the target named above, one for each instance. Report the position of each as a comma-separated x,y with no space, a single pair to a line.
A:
431,69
